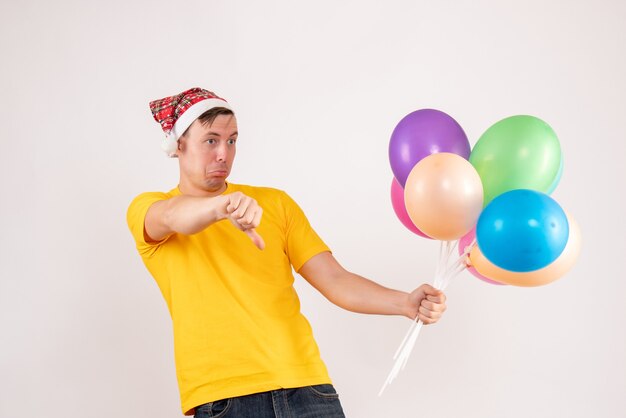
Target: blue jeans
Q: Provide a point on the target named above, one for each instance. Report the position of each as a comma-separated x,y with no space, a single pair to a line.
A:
317,401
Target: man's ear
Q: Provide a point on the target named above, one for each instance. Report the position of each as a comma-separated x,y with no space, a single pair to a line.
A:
180,146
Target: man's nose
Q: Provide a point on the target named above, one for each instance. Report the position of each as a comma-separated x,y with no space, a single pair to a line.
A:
221,153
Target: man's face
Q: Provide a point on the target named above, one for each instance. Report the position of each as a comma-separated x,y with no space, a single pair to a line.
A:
206,154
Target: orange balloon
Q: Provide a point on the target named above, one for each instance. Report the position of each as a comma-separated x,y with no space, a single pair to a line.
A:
443,196
545,275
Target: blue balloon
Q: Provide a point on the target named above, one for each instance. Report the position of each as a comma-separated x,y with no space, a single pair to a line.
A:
522,230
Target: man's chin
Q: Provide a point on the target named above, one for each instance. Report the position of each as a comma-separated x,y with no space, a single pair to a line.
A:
215,185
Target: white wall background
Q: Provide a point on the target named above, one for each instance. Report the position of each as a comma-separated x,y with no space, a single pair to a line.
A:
318,88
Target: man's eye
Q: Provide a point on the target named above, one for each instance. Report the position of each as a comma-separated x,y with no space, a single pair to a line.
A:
210,141
232,141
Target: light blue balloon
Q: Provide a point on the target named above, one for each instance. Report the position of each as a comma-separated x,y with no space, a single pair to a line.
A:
522,230
556,180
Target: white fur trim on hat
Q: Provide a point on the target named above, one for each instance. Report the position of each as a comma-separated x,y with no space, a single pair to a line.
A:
170,145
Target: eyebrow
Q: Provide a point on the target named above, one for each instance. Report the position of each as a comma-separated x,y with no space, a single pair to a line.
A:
217,134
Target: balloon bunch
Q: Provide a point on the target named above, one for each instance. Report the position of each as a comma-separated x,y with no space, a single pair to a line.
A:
524,238
492,200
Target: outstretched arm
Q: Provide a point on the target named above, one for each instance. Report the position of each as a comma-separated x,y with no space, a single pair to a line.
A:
358,294
190,214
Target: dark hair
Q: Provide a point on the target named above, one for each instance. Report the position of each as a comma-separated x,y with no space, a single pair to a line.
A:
209,116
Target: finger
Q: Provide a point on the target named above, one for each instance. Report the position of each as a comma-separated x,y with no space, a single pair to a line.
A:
256,238
257,218
244,207
251,220
429,290
234,200
425,312
428,317
430,314
441,298
426,320
250,214
435,307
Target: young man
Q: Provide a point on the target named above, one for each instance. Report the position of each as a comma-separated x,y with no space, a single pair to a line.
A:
222,255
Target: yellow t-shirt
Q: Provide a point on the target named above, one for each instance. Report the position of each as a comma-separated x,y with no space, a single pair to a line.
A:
236,316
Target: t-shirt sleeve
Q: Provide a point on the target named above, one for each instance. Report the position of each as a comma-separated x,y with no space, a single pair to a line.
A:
136,216
302,240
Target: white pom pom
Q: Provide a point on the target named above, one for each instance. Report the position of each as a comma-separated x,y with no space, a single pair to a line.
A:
170,146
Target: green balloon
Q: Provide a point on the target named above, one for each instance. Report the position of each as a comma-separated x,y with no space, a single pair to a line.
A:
519,152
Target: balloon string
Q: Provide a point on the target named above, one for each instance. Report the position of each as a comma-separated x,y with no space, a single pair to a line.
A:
444,252
460,260
448,252
454,272
408,349
452,247
439,261
443,262
468,249
406,337
463,256
443,277
442,271
437,282
411,345
402,359
456,267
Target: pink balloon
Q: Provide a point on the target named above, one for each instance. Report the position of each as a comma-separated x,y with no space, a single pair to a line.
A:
397,201
464,242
